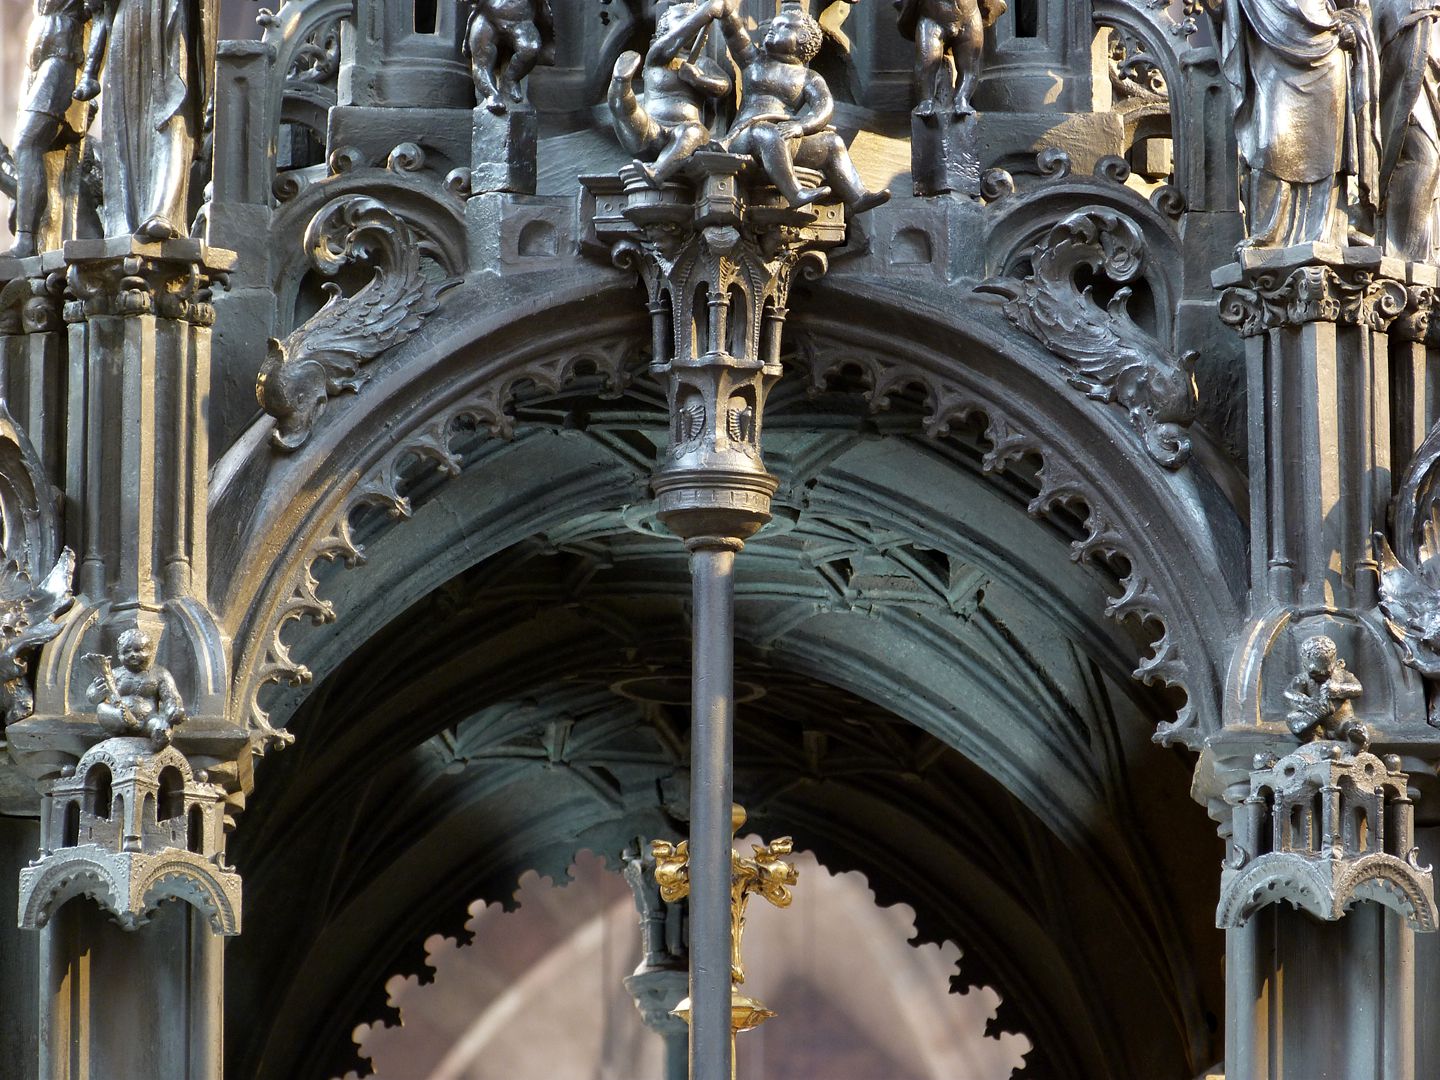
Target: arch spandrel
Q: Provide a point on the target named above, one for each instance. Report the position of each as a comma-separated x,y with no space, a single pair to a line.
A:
979,368
982,379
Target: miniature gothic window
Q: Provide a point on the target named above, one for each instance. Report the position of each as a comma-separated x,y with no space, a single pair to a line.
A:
98,791
739,324
72,825
700,321
195,831
172,793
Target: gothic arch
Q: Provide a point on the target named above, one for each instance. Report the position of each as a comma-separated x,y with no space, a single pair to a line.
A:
394,676
458,377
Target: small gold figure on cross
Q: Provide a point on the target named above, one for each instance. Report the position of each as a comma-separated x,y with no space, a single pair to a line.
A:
766,874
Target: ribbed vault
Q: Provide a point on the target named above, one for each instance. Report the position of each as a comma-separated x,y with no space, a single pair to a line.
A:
933,698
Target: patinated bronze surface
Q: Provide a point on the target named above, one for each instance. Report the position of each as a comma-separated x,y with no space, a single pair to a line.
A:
550,423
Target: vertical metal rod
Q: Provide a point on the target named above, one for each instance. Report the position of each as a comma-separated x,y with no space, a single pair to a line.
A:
712,565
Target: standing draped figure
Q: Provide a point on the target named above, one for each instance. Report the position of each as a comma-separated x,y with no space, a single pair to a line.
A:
157,80
1409,37
1303,77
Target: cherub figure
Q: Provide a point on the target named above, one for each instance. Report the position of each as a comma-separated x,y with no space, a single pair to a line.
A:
785,110
1320,697
949,37
141,698
526,29
62,70
668,123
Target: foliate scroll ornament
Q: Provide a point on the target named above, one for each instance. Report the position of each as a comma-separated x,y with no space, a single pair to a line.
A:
1410,571
31,614
1413,324
1349,296
32,305
323,356
1111,358
29,504
316,60
1135,75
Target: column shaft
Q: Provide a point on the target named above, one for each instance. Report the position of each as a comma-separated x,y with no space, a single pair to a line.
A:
142,1003
711,795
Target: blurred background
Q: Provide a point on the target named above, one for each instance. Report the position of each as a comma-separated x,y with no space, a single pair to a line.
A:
539,993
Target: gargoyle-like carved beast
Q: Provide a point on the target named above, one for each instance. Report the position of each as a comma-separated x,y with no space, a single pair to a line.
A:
1111,358
322,357
1410,572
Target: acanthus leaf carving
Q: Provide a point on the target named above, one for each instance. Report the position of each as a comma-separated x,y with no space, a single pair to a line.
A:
1110,357
30,616
323,356
1271,299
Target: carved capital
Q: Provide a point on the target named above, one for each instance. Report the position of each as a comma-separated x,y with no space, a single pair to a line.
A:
126,278
1270,298
30,303
1413,323
131,827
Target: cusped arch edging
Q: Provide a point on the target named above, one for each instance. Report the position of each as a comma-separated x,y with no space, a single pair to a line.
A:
1063,1042
1327,888
129,886
454,933
1179,538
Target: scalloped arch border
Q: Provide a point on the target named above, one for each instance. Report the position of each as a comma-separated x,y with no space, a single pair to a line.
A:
1155,523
